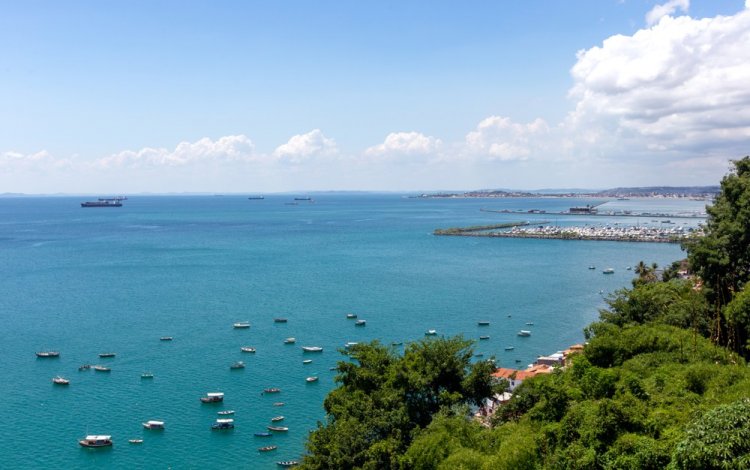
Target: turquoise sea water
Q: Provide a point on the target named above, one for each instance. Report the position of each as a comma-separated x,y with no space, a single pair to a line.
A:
85,281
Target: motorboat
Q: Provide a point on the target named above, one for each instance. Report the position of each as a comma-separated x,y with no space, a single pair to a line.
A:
84,367
351,315
290,340
277,428
279,320
107,354
241,325
483,323
530,323
223,423
592,267
509,348
307,361
48,354
311,379
102,369
271,390
96,441
225,412
213,397
350,344
277,418
166,338
287,463
153,424
147,375
262,434
524,333
312,349
484,337
237,365
135,441
608,271
360,323
247,349
266,448
279,403
431,333
59,380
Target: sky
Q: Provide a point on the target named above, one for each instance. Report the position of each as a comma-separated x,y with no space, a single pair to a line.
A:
271,96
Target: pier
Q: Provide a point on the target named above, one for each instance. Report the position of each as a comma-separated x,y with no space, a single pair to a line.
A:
618,234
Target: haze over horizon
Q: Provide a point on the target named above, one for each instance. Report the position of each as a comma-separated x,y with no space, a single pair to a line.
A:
237,97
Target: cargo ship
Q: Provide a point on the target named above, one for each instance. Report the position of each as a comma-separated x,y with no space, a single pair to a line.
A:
105,202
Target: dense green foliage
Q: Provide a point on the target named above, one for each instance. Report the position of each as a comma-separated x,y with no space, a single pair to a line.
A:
662,382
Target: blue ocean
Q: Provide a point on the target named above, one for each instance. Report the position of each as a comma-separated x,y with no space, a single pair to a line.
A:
84,281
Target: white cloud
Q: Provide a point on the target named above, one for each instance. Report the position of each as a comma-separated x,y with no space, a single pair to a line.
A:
303,146
232,148
499,138
676,90
406,143
37,161
666,9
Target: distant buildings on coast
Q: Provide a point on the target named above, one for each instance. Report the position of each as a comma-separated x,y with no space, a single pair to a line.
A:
693,192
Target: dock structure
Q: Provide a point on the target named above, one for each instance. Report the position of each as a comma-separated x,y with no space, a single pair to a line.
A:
606,233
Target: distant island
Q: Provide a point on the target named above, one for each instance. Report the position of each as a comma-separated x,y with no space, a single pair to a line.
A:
696,192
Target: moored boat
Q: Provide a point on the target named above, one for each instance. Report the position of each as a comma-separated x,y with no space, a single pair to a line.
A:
84,367
135,441
312,349
241,324
280,320
431,333
266,448
223,423
307,361
48,354
247,349
351,315
153,424
166,338
262,434
107,354
96,441
225,412
213,397
237,365
279,403
530,323
287,463
290,340
509,348
592,267
59,380
608,271
277,418
147,375
271,390
524,333
311,379
483,323
102,369
360,323
350,344
484,337
277,428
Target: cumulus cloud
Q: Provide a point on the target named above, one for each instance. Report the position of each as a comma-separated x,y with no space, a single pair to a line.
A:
41,160
666,9
406,143
304,146
677,87
499,138
232,148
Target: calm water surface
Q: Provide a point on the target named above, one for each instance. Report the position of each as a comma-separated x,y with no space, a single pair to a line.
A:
86,281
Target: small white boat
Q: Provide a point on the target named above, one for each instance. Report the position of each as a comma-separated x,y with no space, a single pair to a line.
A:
307,361
608,271
147,375
312,349
247,349
266,448
290,340
350,344
276,419
592,267
509,348
287,463
225,412
277,428
279,403
241,325
484,337
48,354
311,379
530,323
107,354
351,315
102,369
135,441
360,323
431,333
153,424
166,338
524,333
96,441
59,380
237,365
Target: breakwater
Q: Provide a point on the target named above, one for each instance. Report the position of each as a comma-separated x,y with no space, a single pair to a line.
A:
619,234
482,230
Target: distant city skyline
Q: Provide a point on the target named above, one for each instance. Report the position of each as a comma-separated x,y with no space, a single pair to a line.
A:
241,97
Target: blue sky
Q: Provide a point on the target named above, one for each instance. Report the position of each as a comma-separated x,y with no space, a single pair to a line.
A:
244,96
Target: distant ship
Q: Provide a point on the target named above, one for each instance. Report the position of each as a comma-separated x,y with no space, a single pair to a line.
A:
303,198
105,202
256,197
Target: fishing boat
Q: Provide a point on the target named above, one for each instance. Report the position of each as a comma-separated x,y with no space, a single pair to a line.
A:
287,463
271,390
360,323
247,349
223,423
241,324
102,369
166,338
483,323
135,441
430,333
307,361
225,412
312,349
484,337
107,354
608,271
279,403
237,365
153,424
60,380
290,340
263,434
277,418
48,354
266,448
524,333
213,397
277,428
96,441
351,315
311,379
279,320
147,375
